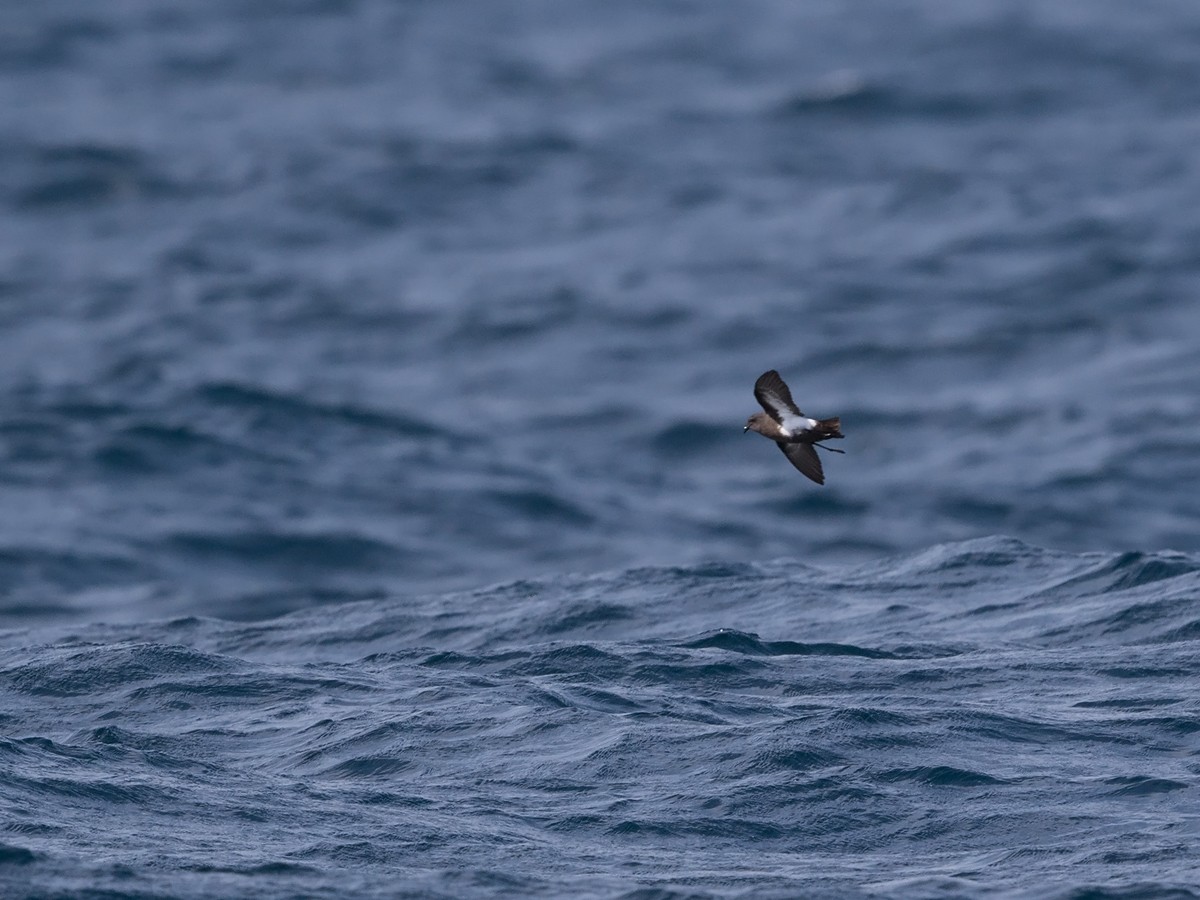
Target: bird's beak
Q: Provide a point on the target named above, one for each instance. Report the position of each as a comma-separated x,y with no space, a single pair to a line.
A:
744,430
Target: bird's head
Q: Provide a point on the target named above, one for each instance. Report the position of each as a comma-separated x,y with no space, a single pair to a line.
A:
755,423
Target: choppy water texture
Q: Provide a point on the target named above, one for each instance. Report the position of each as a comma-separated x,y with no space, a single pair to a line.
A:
377,517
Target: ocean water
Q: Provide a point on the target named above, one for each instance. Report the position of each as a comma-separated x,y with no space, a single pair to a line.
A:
377,518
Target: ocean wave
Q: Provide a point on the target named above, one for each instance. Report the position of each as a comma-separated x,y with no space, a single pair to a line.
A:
596,710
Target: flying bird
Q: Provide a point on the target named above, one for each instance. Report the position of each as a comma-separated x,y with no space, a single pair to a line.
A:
796,434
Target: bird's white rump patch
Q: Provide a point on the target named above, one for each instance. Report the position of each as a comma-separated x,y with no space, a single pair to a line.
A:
794,425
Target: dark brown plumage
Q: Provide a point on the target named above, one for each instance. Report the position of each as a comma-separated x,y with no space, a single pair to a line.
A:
796,434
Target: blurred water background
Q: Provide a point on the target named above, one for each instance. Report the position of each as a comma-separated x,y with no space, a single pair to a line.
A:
377,519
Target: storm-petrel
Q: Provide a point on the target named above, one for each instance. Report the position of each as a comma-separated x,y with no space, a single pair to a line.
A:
795,433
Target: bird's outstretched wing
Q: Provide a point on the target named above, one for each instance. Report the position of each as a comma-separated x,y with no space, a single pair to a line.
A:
773,396
804,457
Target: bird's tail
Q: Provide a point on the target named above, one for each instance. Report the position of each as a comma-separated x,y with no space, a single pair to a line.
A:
829,428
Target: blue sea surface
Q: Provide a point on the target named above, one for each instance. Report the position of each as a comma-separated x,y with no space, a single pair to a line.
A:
376,515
